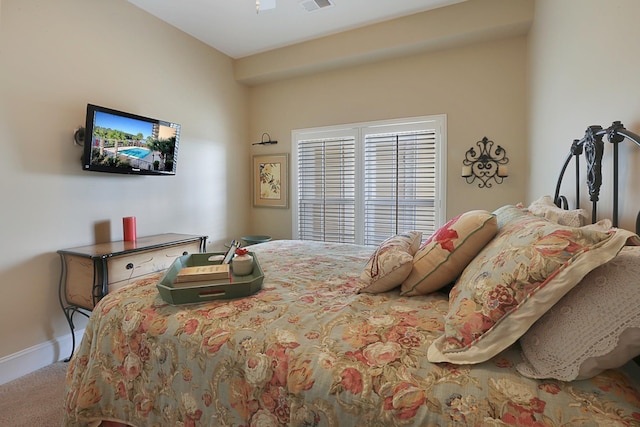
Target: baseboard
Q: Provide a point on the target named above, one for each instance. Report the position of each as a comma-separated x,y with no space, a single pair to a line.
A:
33,358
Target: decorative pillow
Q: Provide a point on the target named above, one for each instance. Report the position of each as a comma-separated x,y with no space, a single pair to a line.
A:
514,280
545,207
507,214
447,252
391,262
602,225
595,327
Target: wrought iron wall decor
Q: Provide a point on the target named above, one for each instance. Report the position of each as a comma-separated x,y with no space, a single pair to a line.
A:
486,163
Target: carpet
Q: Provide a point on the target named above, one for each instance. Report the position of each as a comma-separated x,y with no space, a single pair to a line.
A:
34,400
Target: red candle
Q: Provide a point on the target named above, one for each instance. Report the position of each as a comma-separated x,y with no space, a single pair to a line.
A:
129,228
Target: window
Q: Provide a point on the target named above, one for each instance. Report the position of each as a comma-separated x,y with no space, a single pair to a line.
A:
362,183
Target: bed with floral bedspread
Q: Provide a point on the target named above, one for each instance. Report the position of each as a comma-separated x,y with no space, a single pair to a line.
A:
310,350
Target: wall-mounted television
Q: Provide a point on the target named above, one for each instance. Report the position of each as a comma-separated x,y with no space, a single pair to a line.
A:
120,142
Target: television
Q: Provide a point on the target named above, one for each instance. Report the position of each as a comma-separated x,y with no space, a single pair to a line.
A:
120,142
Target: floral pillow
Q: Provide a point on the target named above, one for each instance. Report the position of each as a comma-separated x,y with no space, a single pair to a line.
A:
596,326
514,280
441,259
508,213
391,262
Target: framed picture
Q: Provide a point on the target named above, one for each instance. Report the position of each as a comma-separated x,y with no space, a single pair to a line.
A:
270,181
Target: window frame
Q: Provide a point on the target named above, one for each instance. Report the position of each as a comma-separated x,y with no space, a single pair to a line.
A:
436,123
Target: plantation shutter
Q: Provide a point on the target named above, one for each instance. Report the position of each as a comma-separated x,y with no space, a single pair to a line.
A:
326,190
399,184
362,183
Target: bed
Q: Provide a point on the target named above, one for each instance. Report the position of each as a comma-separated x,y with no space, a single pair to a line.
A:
334,338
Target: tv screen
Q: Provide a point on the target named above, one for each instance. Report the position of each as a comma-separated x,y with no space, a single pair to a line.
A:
119,142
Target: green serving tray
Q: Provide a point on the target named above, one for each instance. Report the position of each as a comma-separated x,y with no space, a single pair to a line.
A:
203,291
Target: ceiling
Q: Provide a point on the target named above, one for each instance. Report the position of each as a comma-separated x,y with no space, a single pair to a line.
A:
234,28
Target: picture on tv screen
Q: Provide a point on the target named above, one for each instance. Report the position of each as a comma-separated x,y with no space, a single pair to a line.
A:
121,142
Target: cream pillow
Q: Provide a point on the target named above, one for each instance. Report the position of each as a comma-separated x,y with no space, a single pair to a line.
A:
391,262
514,280
602,225
545,207
508,213
447,252
596,326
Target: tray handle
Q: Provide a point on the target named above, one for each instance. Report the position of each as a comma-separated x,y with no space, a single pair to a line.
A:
212,294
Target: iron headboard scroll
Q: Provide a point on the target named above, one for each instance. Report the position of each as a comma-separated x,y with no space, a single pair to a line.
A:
593,147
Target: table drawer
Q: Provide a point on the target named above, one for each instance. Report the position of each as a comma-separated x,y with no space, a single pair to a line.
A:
114,286
133,265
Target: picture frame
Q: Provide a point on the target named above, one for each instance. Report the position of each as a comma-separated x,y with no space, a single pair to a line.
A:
271,181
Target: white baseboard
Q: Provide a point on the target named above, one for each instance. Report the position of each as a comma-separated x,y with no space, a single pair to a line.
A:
33,358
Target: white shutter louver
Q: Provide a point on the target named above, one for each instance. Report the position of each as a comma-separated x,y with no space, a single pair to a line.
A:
399,184
364,183
326,190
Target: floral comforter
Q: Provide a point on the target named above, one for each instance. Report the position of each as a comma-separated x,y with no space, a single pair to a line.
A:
309,350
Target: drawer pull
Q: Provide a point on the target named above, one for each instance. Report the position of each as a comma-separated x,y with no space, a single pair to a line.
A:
129,266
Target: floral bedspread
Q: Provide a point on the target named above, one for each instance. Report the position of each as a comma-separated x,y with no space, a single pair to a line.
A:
309,350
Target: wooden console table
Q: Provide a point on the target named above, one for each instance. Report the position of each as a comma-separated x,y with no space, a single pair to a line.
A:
91,272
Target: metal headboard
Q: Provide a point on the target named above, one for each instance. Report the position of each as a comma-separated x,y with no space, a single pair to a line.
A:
593,147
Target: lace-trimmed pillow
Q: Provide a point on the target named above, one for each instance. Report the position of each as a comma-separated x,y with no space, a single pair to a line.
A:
514,280
391,262
595,327
545,207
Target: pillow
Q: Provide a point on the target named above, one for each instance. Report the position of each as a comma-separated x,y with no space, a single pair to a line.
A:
514,280
595,327
545,207
447,252
602,225
507,214
391,262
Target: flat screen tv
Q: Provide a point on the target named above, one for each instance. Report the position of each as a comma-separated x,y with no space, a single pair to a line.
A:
119,142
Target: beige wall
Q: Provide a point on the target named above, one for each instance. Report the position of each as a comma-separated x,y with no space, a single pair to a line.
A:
55,57
462,23
480,87
584,71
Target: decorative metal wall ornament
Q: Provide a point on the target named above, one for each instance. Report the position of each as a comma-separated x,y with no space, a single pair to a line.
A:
485,164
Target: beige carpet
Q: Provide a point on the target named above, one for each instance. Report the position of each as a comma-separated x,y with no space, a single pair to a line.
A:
35,400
